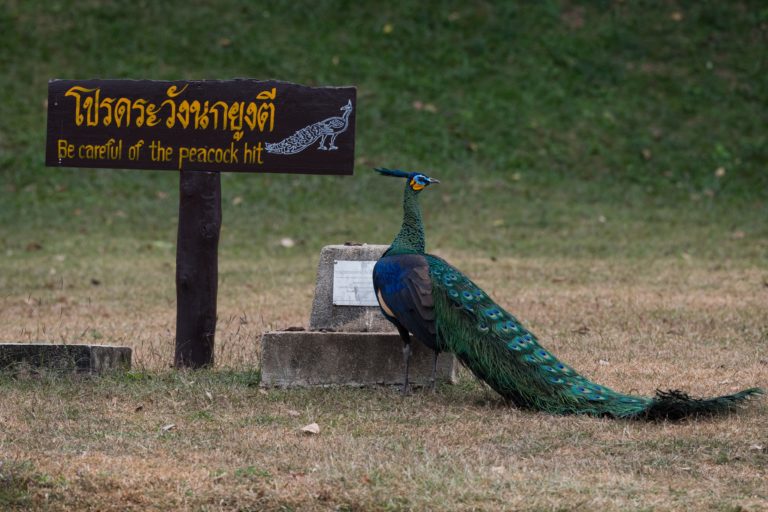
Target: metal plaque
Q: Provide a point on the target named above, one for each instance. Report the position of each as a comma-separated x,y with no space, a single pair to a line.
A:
353,283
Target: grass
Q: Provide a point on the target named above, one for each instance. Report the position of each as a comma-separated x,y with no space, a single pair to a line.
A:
460,449
603,176
545,116
104,442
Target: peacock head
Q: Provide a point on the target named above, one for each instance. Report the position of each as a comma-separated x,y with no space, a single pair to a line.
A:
416,181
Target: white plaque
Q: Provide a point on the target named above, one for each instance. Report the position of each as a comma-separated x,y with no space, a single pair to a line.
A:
353,283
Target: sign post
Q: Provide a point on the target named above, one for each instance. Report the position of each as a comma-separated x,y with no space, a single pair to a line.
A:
200,128
197,268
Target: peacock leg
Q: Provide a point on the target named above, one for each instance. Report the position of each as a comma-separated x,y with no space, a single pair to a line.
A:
333,140
406,337
322,143
434,372
407,357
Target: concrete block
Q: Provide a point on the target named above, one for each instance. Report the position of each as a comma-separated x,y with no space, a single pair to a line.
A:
303,358
66,358
325,315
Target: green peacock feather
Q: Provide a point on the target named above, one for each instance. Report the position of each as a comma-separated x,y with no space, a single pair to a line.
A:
500,351
496,347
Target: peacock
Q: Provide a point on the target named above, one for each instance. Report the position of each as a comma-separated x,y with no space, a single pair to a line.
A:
424,295
331,127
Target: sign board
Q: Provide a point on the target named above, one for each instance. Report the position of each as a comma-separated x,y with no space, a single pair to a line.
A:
234,125
353,283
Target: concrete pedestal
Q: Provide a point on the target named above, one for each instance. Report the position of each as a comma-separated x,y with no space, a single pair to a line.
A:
345,345
328,316
291,358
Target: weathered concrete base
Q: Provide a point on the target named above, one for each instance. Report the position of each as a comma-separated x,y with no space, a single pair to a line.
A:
327,316
306,358
67,358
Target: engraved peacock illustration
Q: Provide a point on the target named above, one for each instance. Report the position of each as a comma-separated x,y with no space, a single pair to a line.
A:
424,295
302,139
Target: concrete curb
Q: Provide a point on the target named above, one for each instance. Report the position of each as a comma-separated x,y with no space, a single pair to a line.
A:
65,358
306,358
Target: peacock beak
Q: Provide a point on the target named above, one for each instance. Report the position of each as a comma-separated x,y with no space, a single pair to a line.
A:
433,180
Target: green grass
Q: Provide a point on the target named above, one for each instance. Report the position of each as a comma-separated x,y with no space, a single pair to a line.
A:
547,118
15,480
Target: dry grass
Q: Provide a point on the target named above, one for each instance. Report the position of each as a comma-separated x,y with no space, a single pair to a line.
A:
99,443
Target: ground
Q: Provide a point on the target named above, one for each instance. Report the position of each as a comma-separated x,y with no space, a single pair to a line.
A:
155,439
602,170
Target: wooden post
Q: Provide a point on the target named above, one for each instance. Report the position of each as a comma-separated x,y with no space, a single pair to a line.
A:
197,267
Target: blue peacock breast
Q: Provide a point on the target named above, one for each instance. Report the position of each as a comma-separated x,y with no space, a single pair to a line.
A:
390,272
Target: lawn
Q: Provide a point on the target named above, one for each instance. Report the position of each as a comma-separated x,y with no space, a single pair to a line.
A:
213,440
603,169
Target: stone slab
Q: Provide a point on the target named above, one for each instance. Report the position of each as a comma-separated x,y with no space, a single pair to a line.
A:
67,358
304,358
325,315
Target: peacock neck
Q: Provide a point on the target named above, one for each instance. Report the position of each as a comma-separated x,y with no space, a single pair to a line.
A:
410,239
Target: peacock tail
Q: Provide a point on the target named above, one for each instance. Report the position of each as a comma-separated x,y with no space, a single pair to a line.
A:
496,347
297,142
423,294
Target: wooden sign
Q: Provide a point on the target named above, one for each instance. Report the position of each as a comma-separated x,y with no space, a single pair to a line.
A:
235,125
